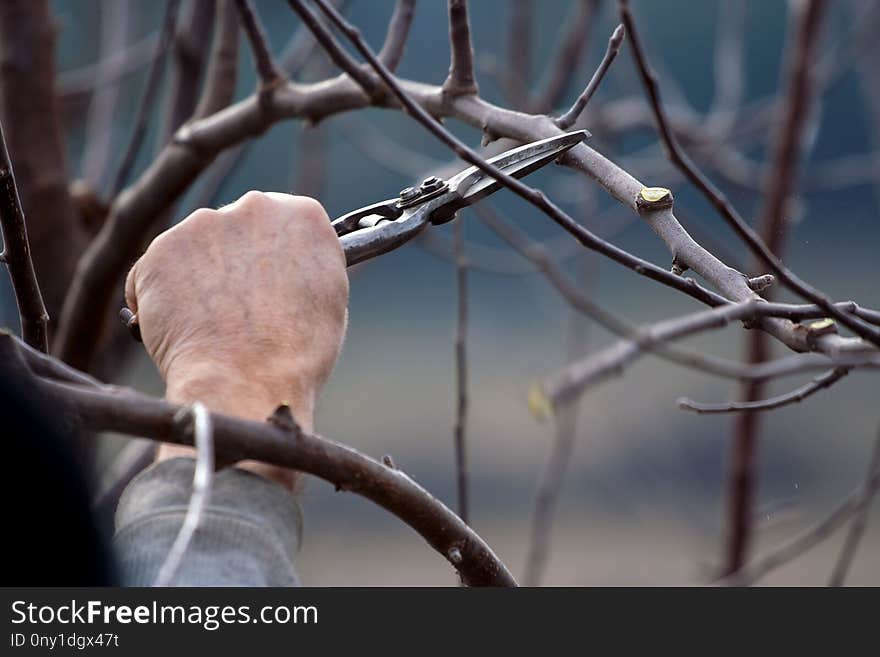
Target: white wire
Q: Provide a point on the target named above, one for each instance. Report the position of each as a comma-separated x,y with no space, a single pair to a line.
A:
201,493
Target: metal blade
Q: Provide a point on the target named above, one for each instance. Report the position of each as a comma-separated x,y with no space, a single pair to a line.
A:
473,184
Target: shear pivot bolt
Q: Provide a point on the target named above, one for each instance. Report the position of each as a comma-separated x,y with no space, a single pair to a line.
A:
431,184
409,193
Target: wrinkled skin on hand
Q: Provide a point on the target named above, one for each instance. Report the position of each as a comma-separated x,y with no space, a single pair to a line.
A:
244,308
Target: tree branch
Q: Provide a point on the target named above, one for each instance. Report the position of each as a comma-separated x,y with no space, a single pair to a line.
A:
567,120
148,99
540,257
31,116
115,25
550,484
577,377
461,80
859,523
197,143
461,369
189,48
17,256
558,462
729,65
342,59
797,395
854,504
772,224
720,202
568,57
397,34
77,84
110,408
263,60
222,74
533,196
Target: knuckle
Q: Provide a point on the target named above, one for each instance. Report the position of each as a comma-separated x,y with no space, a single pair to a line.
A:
202,215
196,223
253,199
310,208
311,211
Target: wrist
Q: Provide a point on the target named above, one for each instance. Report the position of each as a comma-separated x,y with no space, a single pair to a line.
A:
228,391
232,392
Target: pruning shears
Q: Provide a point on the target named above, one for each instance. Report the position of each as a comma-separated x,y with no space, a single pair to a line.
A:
381,227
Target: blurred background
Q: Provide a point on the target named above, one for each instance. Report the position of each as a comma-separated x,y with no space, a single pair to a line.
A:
643,502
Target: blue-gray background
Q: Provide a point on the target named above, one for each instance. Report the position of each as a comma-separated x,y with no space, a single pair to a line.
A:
645,495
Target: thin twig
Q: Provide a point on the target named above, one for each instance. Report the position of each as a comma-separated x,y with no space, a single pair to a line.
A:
576,374
853,504
397,33
253,28
788,145
148,99
859,522
192,42
300,48
461,80
17,256
115,25
339,56
222,73
550,484
567,120
78,83
461,368
681,160
577,377
203,477
729,65
794,396
552,477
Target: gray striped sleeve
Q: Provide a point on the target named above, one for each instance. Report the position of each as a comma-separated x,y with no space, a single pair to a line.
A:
248,536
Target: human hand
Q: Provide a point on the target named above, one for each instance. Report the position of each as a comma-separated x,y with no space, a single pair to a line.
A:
244,308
